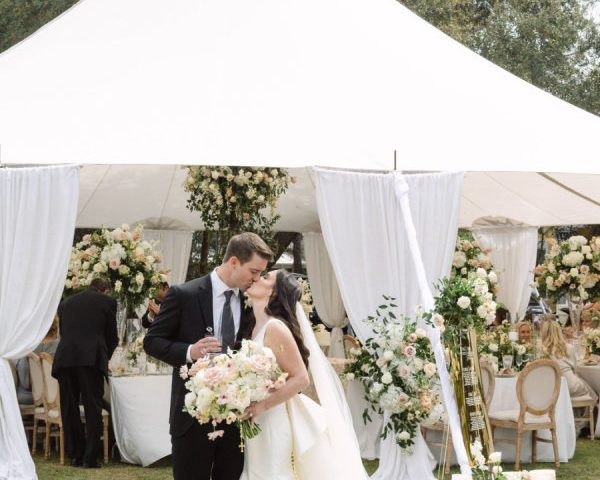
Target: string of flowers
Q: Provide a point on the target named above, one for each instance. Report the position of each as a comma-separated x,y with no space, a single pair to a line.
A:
129,263
471,261
397,370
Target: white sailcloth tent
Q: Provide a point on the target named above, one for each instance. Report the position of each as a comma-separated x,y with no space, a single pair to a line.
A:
341,83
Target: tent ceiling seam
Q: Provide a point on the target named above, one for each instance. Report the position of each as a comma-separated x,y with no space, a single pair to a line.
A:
95,190
517,194
162,210
567,188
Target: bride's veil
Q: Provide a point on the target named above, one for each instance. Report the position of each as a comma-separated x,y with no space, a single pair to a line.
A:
333,400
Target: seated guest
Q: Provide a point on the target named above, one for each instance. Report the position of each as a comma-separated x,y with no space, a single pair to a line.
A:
24,395
50,341
154,305
556,348
525,331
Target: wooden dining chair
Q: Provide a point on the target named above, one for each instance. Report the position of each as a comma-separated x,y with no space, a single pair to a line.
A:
538,386
587,403
350,342
36,376
488,380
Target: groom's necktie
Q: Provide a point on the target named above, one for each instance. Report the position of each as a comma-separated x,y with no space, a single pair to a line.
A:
227,325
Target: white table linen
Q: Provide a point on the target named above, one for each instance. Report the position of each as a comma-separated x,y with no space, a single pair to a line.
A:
140,416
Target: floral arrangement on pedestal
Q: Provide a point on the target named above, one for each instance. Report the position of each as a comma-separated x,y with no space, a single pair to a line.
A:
471,261
397,370
462,304
235,199
123,258
570,268
496,343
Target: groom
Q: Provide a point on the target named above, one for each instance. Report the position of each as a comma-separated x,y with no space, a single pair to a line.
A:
190,317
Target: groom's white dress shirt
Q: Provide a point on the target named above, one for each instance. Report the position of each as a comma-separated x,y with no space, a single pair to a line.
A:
219,287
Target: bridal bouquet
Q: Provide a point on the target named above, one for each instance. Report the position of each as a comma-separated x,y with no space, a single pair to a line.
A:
570,268
397,369
222,387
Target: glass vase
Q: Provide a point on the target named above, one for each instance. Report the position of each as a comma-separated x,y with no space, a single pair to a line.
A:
575,304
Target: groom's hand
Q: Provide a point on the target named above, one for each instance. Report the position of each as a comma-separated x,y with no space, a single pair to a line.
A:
203,346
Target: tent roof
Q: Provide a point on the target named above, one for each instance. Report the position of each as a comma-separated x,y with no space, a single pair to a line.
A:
341,83
152,194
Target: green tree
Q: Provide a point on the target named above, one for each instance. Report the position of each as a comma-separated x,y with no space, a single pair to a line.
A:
553,44
20,18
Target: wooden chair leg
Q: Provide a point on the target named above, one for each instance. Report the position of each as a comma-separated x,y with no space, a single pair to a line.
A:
34,436
448,453
533,446
62,445
592,426
47,441
518,450
555,447
105,437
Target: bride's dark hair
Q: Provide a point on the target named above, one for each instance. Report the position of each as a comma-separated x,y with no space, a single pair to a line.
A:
282,305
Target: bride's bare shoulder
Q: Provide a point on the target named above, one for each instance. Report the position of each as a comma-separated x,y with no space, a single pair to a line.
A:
277,328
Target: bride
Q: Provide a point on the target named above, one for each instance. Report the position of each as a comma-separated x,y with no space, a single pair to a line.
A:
300,439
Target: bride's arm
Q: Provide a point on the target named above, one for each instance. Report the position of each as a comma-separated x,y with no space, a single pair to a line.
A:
279,339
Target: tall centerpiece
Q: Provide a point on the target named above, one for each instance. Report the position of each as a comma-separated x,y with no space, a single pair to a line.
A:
463,306
571,269
125,260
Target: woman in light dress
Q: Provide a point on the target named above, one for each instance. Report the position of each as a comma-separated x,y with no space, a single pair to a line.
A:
300,439
554,346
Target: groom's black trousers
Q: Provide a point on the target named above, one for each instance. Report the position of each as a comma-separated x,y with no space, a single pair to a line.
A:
195,457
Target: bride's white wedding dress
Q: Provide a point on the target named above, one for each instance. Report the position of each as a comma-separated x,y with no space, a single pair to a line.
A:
298,441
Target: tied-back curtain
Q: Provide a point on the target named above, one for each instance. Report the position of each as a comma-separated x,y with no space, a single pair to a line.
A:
514,253
374,248
175,247
38,207
325,291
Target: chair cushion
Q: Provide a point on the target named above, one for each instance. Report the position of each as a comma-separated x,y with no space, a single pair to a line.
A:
82,412
583,398
54,413
513,416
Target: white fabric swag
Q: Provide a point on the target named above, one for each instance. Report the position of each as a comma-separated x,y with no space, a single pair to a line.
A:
175,247
514,252
325,291
38,207
377,254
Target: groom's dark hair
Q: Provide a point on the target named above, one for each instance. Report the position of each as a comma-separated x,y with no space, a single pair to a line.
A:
244,245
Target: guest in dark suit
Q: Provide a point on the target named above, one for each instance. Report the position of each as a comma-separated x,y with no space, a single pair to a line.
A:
192,318
154,305
88,338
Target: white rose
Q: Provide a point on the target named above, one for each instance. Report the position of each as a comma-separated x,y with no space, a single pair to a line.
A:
437,320
492,277
403,435
459,259
349,376
495,457
190,399
139,278
574,272
386,378
388,355
481,273
430,369
493,347
482,311
464,302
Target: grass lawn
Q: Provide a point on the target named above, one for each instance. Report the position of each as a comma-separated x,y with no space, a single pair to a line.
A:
584,466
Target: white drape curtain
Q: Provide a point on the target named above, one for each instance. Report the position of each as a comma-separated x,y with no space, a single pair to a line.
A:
175,246
38,207
378,253
325,291
514,253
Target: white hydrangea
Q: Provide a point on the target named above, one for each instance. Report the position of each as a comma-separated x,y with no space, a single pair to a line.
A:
572,259
460,258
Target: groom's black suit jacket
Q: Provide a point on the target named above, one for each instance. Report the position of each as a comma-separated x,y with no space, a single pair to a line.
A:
184,318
